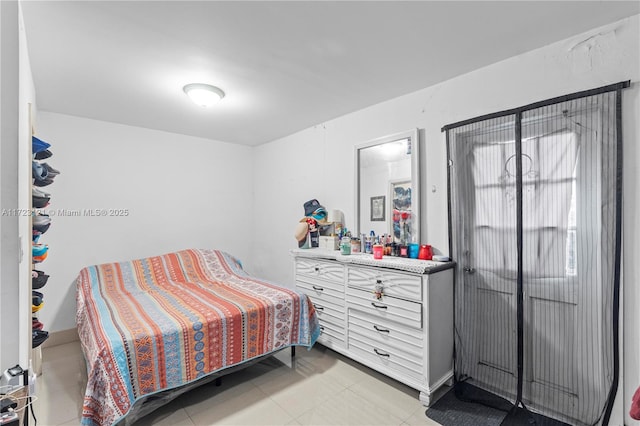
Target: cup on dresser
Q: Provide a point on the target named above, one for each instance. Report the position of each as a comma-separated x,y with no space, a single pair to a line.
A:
378,249
425,253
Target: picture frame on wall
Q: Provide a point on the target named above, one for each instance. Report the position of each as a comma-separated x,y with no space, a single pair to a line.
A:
378,209
400,209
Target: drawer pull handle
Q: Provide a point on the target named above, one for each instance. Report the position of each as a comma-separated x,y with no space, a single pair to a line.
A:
318,307
315,287
378,281
382,330
321,328
316,269
375,305
381,353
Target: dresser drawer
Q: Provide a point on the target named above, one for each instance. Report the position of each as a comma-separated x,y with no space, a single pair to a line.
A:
388,308
321,292
332,342
329,314
396,284
331,335
387,332
409,353
379,356
318,269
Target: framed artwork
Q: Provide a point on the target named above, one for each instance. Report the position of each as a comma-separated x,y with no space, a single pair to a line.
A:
400,210
377,209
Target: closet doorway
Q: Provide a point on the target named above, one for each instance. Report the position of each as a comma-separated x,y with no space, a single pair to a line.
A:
535,230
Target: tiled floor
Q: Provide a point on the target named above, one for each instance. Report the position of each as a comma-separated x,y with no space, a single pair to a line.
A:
320,387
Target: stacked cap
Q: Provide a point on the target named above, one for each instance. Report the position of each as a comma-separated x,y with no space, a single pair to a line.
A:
38,279
41,219
35,324
38,337
314,214
314,209
42,155
38,145
38,250
39,198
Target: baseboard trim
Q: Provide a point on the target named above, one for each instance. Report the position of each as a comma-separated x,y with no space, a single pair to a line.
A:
61,337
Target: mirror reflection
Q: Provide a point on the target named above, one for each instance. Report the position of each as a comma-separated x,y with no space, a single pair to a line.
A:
387,187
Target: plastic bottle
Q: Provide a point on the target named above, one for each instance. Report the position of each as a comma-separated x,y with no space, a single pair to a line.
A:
345,245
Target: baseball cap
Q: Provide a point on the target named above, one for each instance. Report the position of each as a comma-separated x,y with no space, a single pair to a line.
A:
43,154
39,249
311,206
41,258
38,145
36,325
39,192
38,171
39,202
36,297
40,280
50,170
41,228
38,337
43,182
41,219
36,308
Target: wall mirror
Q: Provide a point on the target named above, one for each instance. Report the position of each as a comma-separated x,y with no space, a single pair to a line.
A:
387,187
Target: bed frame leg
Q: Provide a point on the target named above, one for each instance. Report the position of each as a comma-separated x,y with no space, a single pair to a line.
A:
218,381
293,351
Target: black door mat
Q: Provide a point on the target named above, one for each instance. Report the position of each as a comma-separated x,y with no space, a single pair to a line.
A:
468,405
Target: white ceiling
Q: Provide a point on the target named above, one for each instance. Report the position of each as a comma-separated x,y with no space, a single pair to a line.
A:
284,66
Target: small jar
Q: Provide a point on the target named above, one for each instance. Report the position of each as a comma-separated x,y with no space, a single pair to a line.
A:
377,251
404,250
355,245
425,253
413,250
345,245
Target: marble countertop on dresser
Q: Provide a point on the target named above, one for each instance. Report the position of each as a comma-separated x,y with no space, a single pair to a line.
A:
400,263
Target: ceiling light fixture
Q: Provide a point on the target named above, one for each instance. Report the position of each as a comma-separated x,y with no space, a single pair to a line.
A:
202,94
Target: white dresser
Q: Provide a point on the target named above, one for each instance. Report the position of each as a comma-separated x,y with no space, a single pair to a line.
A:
406,334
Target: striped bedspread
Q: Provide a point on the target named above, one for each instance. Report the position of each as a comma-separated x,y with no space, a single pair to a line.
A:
158,323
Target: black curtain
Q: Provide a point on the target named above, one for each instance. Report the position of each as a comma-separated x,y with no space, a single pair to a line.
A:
535,229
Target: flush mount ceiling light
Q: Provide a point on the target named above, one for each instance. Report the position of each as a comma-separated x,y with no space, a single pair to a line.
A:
202,94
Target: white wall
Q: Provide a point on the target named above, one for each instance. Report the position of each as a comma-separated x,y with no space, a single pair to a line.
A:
9,297
27,107
318,162
180,192
17,93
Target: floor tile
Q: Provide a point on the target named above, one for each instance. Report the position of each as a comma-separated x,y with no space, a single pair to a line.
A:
346,373
251,408
203,397
316,387
297,393
58,405
72,349
386,393
348,408
166,416
419,418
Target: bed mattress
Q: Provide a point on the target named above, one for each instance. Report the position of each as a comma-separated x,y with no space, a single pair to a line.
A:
159,323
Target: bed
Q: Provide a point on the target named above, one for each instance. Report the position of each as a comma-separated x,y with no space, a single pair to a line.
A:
154,326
